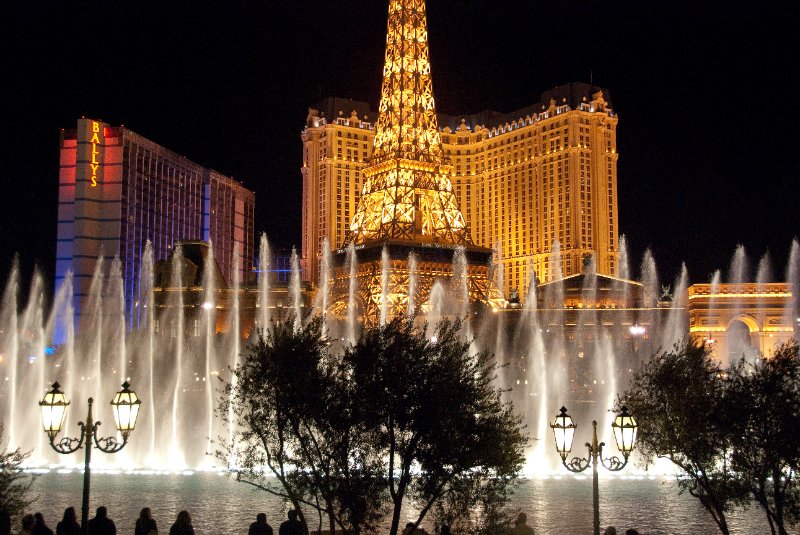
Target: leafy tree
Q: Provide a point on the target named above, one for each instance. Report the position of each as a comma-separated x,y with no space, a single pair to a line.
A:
15,486
678,400
395,417
300,436
763,401
437,416
476,503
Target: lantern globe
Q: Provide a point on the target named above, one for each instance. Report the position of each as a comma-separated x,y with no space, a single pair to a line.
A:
563,432
54,410
126,409
625,430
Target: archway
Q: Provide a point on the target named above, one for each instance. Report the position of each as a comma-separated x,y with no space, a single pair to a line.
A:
740,341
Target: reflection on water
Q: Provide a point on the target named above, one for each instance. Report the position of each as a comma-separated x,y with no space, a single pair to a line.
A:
220,505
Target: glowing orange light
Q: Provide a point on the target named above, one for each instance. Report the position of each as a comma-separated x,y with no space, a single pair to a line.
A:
94,164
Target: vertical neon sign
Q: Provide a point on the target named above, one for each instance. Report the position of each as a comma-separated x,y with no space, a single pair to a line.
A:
94,164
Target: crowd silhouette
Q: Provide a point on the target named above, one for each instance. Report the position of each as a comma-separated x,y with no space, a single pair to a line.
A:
101,524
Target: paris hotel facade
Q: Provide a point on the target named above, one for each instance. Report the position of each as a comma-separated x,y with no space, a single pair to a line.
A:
528,182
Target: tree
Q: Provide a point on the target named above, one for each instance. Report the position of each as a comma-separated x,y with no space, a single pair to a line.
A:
395,417
764,403
15,486
476,503
438,417
678,401
292,404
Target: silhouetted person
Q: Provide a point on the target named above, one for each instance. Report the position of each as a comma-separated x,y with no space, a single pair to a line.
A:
5,521
28,522
69,524
631,532
145,525
520,525
445,530
610,530
182,525
39,525
260,526
409,529
292,526
101,524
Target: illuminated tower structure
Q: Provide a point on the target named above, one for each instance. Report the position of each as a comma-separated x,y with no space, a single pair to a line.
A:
117,190
407,206
524,180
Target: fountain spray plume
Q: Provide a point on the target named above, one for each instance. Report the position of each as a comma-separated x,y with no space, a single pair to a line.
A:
677,323
435,311
321,304
460,292
737,273
209,307
294,292
412,284
793,278
623,270
175,455
114,317
114,339
147,297
91,332
351,295
536,376
61,330
499,278
9,344
264,269
31,384
554,301
650,282
596,348
764,272
236,330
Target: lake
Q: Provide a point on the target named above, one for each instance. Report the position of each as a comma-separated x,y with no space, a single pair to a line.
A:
218,504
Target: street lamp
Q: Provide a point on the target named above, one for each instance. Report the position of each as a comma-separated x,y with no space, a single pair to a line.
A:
125,406
624,427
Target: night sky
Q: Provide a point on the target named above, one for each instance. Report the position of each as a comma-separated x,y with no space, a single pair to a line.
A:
706,92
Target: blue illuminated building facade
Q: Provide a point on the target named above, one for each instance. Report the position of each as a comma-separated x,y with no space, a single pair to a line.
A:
119,190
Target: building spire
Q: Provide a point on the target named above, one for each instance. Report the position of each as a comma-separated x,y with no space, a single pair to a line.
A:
407,192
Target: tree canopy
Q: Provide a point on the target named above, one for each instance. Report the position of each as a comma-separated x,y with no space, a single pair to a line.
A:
733,433
763,400
355,435
677,400
438,417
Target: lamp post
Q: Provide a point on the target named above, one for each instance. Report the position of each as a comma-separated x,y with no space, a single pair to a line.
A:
125,406
624,427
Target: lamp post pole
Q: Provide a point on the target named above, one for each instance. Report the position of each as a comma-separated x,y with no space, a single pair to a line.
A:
54,409
624,427
87,472
594,451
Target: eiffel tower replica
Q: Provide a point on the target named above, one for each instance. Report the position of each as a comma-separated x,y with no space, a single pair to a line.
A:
407,206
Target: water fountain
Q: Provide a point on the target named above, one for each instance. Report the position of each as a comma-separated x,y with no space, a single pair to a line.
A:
572,340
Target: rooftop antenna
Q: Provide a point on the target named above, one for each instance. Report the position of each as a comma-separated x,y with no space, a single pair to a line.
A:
591,77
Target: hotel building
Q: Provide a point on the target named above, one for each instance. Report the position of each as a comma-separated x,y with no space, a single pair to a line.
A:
529,182
118,190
